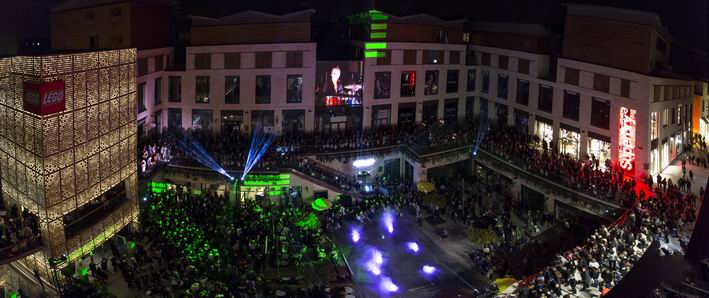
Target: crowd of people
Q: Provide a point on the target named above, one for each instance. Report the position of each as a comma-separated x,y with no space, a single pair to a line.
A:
19,230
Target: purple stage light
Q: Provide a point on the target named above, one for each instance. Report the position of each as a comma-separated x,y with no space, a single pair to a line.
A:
388,220
355,235
428,269
387,285
413,246
374,268
377,257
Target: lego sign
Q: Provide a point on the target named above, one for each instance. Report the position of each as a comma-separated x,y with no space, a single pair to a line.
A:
626,140
44,98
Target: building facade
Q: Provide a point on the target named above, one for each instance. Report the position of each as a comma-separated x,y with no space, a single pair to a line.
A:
67,141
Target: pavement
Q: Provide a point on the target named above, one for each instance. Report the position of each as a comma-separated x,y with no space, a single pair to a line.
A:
674,171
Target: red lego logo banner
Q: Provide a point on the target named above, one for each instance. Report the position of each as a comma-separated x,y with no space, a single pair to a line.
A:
45,98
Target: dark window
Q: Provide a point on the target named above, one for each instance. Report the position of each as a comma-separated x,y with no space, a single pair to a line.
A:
294,59
454,57
522,92
115,12
469,108
450,111
502,86
142,66
409,56
232,86
382,85
600,113
174,92
263,89
625,88
174,120
141,97
158,89
202,89
471,58
471,80
202,121
429,112
571,105
572,76
263,59
546,98
294,91
667,93
601,82
673,115
293,121
486,59
159,63
203,61
232,60
431,86
408,83
384,57
523,66
486,81
452,81
502,62
432,57
93,42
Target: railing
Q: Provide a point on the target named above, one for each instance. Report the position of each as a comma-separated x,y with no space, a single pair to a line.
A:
99,211
19,250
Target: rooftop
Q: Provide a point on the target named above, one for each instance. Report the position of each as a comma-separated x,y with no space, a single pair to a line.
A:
80,4
529,29
253,17
619,14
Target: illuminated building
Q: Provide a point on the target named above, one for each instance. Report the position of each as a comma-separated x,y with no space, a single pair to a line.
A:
68,141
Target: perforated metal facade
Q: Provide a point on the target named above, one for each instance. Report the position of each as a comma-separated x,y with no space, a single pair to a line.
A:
55,163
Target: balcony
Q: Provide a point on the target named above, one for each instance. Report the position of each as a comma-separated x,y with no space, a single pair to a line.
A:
94,211
19,233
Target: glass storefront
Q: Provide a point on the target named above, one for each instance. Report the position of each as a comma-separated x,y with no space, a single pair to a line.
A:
544,131
654,162
569,141
600,150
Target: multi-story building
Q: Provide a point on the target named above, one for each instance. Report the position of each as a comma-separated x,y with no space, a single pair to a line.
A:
67,150
617,103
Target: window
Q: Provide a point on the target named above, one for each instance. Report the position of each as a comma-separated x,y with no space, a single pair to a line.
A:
522,92
432,57
431,85
232,60
469,108
174,92
141,97
384,57
294,59
159,63
232,89
408,83
452,81
600,113
571,105
202,89
93,42
174,120
546,98
382,85
502,61
523,66
661,46
502,86
486,81
657,93
294,89
158,89
667,91
440,36
89,16
679,115
263,59
486,59
203,61
263,89
142,66
653,125
471,80
115,12
665,117
454,57
202,121
672,116
571,76
625,88
293,121
409,57
601,82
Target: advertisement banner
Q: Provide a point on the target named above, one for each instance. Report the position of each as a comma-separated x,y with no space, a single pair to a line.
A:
626,140
44,98
338,83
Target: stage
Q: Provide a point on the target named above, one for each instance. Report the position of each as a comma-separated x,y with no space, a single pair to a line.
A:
454,274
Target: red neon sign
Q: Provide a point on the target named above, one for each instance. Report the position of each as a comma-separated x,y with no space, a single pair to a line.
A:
626,140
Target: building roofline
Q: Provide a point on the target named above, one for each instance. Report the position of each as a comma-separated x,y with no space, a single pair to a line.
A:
619,14
252,17
504,27
71,5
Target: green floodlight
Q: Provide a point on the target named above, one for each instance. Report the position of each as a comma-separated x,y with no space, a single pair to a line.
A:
321,204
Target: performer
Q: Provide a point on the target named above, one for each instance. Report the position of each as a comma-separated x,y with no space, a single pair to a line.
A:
334,86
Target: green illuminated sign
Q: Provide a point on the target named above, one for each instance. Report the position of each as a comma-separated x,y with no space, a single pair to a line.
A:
267,180
374,54
379,26
375,45
158,187
378,35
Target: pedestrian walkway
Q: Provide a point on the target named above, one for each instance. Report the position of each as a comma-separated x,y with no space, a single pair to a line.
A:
674,171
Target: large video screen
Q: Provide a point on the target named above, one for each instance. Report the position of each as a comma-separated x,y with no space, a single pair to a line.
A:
338,83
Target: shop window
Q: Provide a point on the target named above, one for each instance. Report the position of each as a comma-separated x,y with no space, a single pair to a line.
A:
569,142
653,125
294,91
432,57
408,83
382,85
431,87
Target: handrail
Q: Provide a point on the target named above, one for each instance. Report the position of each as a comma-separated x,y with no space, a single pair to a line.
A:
33,244
105,207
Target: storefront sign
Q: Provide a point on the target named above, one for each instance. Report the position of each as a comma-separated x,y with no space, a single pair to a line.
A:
626,140
44,98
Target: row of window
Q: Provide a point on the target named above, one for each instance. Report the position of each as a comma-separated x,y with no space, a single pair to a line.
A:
503,62
158,63
294,59
601,82
232,120
428,57
232,84
382,83
677,116
666,92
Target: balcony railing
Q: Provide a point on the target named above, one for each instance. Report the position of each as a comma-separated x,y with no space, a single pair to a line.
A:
88,216
20,250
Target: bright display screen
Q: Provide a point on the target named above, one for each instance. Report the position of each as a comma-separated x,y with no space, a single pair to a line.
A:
338,83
